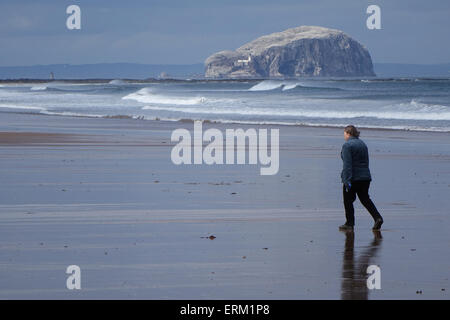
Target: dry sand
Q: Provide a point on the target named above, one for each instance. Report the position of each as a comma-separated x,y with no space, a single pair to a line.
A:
103,194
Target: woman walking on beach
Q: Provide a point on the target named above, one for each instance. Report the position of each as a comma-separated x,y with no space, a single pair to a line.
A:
356,178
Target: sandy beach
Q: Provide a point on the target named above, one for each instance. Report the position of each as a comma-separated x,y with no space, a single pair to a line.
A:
103,194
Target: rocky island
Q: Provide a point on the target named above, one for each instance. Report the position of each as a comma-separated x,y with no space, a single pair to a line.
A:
298,52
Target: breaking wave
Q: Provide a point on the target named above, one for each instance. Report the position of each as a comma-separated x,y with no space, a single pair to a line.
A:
117,82
268,85
404,111
17,107
39,88
146,95
405,105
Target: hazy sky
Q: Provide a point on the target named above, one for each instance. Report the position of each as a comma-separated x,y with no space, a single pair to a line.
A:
188,31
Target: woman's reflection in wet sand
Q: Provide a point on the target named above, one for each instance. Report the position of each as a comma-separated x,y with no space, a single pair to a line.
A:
354,272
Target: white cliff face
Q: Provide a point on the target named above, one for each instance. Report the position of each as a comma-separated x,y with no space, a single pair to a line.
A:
296,52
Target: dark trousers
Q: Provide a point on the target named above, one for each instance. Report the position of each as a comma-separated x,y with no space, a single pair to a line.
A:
360,188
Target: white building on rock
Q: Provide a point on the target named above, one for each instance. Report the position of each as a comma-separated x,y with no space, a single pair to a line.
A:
242,62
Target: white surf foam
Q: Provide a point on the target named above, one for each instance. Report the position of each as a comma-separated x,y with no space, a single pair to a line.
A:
299,123
266,85
146,95
290,86
405,111
38,88
72,114
23,107
117,82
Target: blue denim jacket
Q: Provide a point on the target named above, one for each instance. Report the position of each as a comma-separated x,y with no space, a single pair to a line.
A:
355,157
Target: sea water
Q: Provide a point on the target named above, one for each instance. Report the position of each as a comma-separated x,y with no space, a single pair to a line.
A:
397,103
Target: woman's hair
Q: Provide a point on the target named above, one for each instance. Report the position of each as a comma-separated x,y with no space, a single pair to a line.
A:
351,130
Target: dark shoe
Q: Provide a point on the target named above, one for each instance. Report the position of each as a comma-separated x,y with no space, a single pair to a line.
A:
378,223
345,227
377,236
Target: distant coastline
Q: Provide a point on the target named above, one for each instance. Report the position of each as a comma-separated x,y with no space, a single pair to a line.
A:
205,80
161,72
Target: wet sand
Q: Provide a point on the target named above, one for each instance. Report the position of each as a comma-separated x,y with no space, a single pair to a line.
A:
103,194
